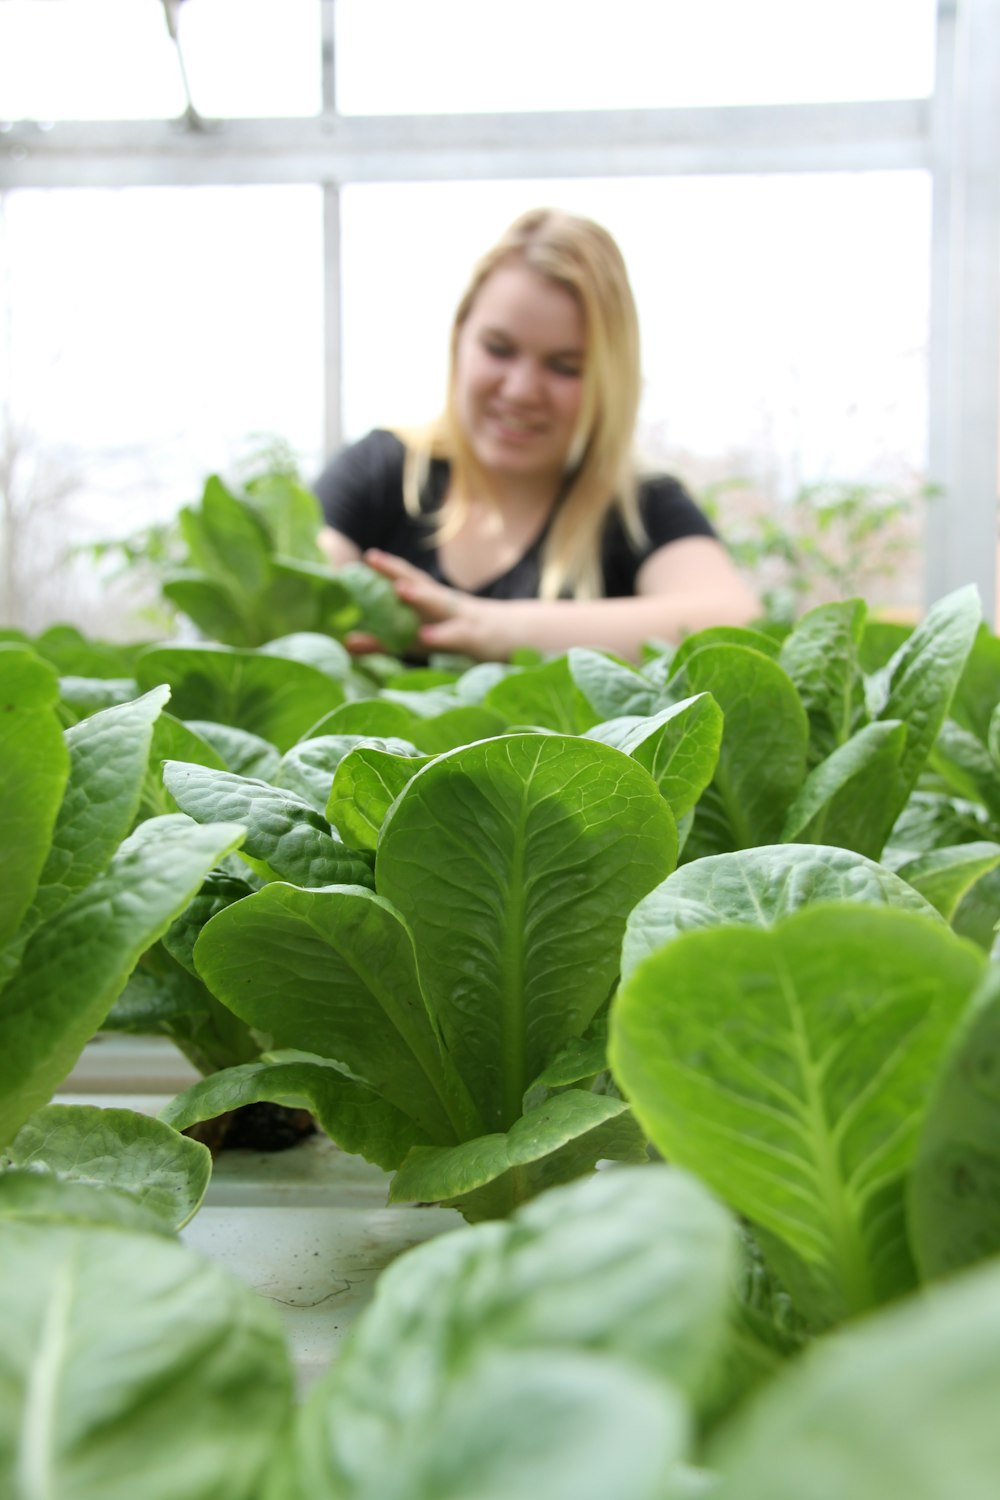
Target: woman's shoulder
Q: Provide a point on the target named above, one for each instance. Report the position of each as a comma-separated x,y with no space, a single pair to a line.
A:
362,486
653,484
369,463
379,450
668,510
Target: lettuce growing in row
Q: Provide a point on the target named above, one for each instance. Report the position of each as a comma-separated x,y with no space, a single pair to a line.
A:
564,1353
741,772
826,1067
568,1353
701,766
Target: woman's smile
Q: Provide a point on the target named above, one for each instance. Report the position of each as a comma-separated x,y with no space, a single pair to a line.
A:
516,428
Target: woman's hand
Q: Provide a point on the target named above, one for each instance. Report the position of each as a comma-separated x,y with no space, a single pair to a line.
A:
450,620
683,587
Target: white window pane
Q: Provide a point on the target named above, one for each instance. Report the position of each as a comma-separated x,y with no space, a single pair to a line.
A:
151,335
253,58
784,319
110,59
440,56
114,59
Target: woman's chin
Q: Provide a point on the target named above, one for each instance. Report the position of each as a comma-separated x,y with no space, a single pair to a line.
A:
517,459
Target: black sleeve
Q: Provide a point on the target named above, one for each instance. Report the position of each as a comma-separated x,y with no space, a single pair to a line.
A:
669,513
361,489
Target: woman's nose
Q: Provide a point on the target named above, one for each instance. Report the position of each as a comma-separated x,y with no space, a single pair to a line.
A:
522,380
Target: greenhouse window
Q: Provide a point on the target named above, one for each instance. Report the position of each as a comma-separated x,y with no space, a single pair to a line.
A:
441,56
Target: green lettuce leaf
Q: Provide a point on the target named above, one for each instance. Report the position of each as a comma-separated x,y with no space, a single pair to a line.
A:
954,1188
117,1148
762,757
271,697
50,1008
515,863
194,1382
756,888
790,1067
35,771
285,837
902,1404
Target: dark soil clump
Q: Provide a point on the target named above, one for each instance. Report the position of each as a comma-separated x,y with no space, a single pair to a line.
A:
255,1127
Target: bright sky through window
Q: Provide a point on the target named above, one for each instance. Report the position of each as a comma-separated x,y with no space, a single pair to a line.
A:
64,59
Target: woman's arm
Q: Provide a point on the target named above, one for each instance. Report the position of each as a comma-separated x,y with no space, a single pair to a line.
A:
696,584
682,587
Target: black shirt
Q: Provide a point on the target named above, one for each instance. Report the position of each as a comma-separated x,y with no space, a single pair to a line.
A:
361,492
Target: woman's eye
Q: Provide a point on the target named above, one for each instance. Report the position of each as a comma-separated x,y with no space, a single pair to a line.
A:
498,351
566,367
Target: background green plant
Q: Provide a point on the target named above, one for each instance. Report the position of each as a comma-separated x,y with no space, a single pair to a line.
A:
831,540
243,565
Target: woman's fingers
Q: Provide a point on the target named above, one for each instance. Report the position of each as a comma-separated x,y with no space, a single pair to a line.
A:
458,636
361,644
450,619
432,601
391,566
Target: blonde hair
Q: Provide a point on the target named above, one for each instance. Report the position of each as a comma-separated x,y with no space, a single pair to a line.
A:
581,256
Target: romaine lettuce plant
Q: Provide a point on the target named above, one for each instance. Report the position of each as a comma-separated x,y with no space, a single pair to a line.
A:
251,571
813,749
325,789
446,1011
565,1353
955,816
790,1058
84,897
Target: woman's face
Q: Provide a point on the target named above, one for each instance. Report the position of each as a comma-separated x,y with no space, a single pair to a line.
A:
519,374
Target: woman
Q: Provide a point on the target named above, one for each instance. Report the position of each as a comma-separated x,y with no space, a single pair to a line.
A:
519,518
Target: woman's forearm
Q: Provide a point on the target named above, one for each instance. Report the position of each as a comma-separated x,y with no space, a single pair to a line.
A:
494,629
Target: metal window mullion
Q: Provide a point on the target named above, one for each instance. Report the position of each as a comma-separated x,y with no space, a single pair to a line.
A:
936,526
333,291
328,58
961,533
333,323
886,135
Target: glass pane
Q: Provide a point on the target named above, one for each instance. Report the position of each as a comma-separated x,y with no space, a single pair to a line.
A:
452,56
252,57
114,59
784,319
150,337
